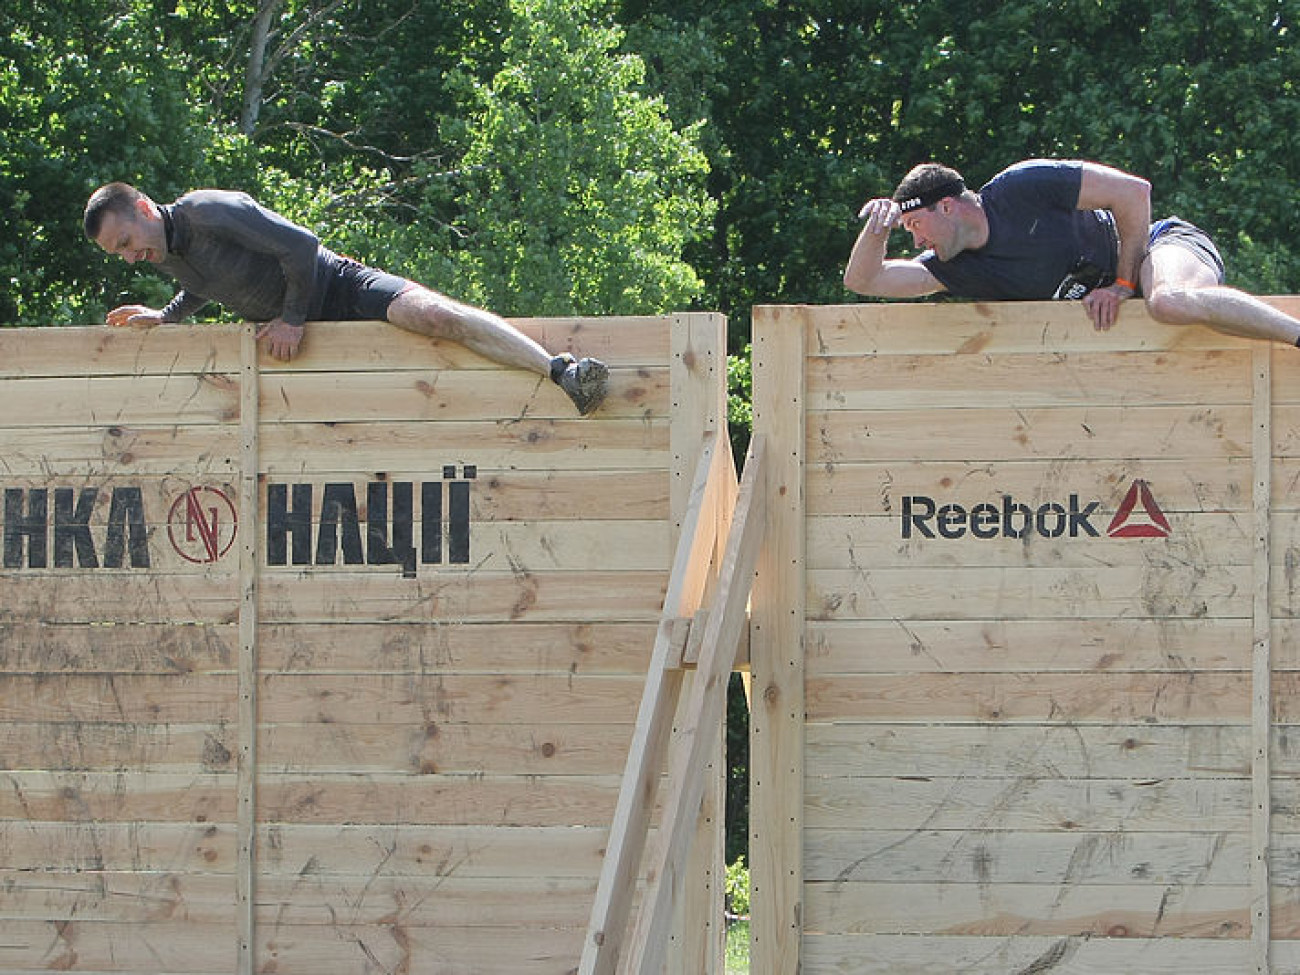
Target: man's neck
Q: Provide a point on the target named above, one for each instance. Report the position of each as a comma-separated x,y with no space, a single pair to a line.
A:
169,227
975,225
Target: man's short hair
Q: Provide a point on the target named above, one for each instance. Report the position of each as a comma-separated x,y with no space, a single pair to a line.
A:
119,198
926,185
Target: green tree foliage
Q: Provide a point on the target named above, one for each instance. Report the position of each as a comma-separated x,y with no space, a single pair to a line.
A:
391,128
420,135
818,105
579,196
87,94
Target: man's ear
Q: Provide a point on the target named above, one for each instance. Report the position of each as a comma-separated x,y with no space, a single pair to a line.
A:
144,209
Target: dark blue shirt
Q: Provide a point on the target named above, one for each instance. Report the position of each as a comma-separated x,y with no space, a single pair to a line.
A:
1040,244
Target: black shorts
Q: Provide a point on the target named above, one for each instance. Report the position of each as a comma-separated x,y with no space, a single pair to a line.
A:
358,293
1174,232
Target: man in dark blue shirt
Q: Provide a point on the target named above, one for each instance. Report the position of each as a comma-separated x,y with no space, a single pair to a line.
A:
1049,229
224,247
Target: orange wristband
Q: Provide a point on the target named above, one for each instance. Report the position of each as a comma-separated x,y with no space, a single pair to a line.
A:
1126,284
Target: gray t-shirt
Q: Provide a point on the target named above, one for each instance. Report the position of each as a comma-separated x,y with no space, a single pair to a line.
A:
1040,244
223,246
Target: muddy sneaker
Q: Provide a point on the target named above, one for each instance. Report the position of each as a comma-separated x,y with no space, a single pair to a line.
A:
585,380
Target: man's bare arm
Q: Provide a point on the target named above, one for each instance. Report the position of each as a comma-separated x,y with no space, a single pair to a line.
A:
869,272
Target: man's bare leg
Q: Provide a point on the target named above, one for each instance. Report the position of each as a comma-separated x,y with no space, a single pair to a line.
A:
420,309
1182,290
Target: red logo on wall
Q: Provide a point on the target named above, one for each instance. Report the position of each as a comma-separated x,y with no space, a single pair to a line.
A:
202,525
1130,523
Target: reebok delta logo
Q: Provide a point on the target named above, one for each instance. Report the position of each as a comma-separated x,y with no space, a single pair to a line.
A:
1152,523
923,517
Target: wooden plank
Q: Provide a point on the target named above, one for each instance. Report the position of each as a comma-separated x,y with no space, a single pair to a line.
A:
1031,803
115,746
622,340
441,394
1006,860
178,398
399,947
699,350
416,700
705,709
438,745
382,595
1140,752
112,899
84,797
882,540
509,495
1286,805
519,548
1215,698
126,698
1208,485
181,546
463,596
1261,705
421,646
313,798
991,645
119,854
203,452
777,651
1005,857
569,444
496,494
1285,421
1199,433
32,647
1067,955
1040,379
373,648
535,903
353,346
1018,910
695,946
606,930
123,597
247,717
989,328
428,853
178,349
173,946
980,592
291,450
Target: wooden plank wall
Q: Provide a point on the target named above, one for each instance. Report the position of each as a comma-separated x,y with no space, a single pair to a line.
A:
441,733
1034,753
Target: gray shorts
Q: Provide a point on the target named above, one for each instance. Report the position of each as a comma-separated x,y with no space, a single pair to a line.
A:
358,293
1174,232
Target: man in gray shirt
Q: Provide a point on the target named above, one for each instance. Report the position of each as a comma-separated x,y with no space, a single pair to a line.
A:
223,246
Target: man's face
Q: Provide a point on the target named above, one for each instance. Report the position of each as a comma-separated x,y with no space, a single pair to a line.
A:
934,227
138,237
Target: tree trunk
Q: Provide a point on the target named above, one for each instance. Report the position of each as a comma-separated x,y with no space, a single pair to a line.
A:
256,70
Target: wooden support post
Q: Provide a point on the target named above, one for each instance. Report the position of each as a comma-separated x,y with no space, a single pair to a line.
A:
703,714
246,775
777,651
607,928
1261,663
698,942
